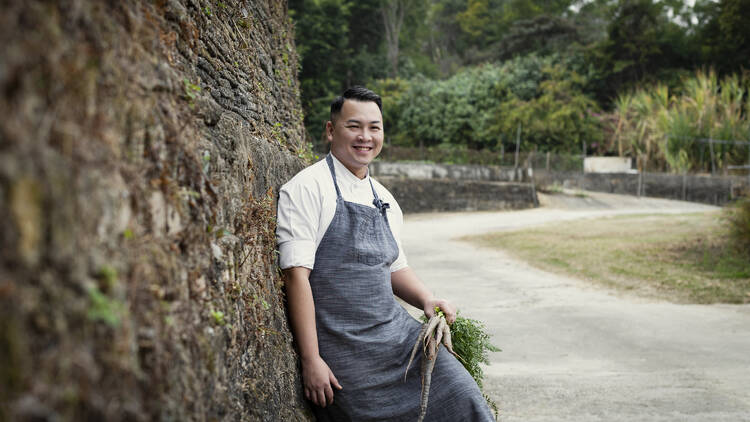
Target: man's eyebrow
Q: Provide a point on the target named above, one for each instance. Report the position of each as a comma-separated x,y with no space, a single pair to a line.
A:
359,122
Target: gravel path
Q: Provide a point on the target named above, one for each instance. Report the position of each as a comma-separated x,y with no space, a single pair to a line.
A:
573,351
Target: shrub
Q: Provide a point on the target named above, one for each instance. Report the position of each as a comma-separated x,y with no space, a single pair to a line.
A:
738,218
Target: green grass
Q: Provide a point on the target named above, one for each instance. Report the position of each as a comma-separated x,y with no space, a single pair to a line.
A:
684,258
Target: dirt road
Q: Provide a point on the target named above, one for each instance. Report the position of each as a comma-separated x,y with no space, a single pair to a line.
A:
573,351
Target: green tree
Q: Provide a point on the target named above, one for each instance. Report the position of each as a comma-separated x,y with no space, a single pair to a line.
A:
480,107
340,44
559,119
642,45
723,34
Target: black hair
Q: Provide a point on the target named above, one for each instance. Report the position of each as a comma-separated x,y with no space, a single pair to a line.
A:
356,93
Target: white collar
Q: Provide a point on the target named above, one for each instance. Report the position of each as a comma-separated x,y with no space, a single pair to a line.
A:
343,174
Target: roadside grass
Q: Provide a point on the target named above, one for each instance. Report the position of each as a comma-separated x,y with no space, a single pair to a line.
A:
683,258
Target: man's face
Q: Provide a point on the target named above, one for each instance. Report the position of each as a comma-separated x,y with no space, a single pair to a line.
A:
356,136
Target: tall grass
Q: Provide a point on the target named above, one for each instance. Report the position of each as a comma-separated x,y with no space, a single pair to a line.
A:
660,127
738,221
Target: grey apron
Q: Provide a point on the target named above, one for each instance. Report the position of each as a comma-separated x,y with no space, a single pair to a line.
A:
365,336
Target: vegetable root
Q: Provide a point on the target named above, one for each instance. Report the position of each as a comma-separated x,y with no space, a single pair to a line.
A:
427,377
434,332
448,342
422,334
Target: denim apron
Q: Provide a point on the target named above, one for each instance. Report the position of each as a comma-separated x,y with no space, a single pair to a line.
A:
365,336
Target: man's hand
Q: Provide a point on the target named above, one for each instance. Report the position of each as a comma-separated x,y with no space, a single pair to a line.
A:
448,309
318,379
410,288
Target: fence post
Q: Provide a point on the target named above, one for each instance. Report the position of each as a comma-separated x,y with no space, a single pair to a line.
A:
640,183
532,176
583,156
518,147
711,148
684,185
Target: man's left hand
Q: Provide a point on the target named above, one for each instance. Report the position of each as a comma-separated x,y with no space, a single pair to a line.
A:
448,309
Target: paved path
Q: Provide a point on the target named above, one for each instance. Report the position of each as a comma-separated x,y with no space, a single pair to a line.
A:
573,351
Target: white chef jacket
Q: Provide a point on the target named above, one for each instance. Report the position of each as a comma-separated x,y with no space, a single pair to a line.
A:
307,204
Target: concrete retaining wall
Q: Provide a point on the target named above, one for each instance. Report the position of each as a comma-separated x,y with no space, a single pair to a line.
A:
715,190
445,171
426,195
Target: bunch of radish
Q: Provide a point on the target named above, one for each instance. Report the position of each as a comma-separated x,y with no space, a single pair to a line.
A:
433,332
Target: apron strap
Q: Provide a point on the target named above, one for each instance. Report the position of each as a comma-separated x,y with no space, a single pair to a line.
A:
379,204
329,160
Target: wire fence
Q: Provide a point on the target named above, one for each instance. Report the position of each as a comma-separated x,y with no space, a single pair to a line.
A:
457,155
711,160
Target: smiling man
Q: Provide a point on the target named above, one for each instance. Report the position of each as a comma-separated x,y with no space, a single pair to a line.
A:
338,237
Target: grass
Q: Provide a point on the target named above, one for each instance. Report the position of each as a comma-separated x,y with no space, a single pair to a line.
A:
684,258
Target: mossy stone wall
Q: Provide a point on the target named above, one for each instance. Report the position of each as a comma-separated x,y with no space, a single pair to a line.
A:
141,146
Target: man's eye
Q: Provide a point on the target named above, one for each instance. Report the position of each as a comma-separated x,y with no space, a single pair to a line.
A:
376,128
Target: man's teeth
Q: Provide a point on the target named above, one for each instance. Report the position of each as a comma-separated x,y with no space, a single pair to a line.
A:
363,148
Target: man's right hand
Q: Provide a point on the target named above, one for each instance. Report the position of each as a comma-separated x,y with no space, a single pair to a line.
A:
318,379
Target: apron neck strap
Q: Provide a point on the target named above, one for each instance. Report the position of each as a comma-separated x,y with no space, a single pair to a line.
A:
329,160
379,204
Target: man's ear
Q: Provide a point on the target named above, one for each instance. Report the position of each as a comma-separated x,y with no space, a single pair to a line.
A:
329,131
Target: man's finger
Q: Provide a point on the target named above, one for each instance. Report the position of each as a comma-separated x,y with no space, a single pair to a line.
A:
307,394
429,312
335,382
321,398
329,394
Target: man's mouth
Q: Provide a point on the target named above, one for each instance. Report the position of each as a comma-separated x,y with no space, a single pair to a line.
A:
362,148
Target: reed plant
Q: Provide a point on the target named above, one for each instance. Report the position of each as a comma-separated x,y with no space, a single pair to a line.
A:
662,128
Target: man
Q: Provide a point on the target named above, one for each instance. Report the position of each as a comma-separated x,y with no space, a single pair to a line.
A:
338,232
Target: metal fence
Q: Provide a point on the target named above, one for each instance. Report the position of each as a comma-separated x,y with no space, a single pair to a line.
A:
713,162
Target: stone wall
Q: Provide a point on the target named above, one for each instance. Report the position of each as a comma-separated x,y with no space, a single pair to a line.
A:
141,146
445,171
713,190
426,195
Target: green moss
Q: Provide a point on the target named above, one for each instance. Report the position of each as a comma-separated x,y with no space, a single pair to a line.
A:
103,308
218,318
108,275
190,91
11,354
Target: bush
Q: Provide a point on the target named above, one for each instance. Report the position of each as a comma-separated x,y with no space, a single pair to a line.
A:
738,218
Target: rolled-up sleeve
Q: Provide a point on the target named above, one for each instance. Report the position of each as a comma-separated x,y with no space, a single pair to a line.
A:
297,223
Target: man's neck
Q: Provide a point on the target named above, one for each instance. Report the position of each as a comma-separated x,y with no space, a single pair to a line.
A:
359,173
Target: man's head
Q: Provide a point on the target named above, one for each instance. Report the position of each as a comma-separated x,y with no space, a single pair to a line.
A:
355,130
355,93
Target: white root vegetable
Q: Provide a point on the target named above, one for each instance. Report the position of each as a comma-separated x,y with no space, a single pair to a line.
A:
447,341
433,333
433,348
431,325
420,338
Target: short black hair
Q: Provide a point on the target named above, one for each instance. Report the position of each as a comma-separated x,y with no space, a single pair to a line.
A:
356,93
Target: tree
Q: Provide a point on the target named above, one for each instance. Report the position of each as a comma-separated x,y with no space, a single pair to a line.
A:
723,33
339,45
642,45
393,12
